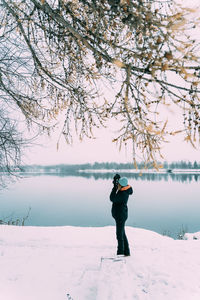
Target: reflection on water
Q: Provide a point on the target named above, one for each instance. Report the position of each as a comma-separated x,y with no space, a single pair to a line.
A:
184,177
146,176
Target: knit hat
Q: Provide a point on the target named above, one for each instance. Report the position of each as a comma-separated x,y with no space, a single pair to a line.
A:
123,181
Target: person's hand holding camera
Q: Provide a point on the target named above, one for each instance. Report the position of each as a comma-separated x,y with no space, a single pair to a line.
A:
116,180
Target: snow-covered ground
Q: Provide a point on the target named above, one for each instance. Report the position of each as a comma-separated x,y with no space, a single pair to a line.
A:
142,171
47,263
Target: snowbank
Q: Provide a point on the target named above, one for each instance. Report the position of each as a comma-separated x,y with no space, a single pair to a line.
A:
142,171
48,263
192,236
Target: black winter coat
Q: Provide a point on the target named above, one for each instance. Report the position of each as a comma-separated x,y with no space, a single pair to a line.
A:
119,200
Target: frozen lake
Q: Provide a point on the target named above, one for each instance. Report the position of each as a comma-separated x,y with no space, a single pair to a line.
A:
164,203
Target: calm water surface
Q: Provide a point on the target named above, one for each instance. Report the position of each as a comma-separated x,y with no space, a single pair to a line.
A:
162,203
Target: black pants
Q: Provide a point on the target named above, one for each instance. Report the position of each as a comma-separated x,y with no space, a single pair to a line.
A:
123,246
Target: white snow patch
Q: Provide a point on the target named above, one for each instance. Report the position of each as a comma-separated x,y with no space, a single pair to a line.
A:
192,236
40,263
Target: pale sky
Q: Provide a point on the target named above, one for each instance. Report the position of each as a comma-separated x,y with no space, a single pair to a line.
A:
101,149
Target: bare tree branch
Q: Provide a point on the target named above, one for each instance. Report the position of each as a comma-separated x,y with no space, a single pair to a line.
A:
56,56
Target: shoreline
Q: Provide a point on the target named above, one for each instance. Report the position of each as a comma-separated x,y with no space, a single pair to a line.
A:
109,171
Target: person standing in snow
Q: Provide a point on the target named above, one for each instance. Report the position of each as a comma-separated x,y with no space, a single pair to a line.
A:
119,198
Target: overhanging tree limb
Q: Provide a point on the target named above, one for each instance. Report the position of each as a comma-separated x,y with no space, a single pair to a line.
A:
76,47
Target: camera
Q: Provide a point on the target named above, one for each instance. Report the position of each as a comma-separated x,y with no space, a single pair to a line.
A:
116,180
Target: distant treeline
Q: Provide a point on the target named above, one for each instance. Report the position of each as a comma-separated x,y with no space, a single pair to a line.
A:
65,168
